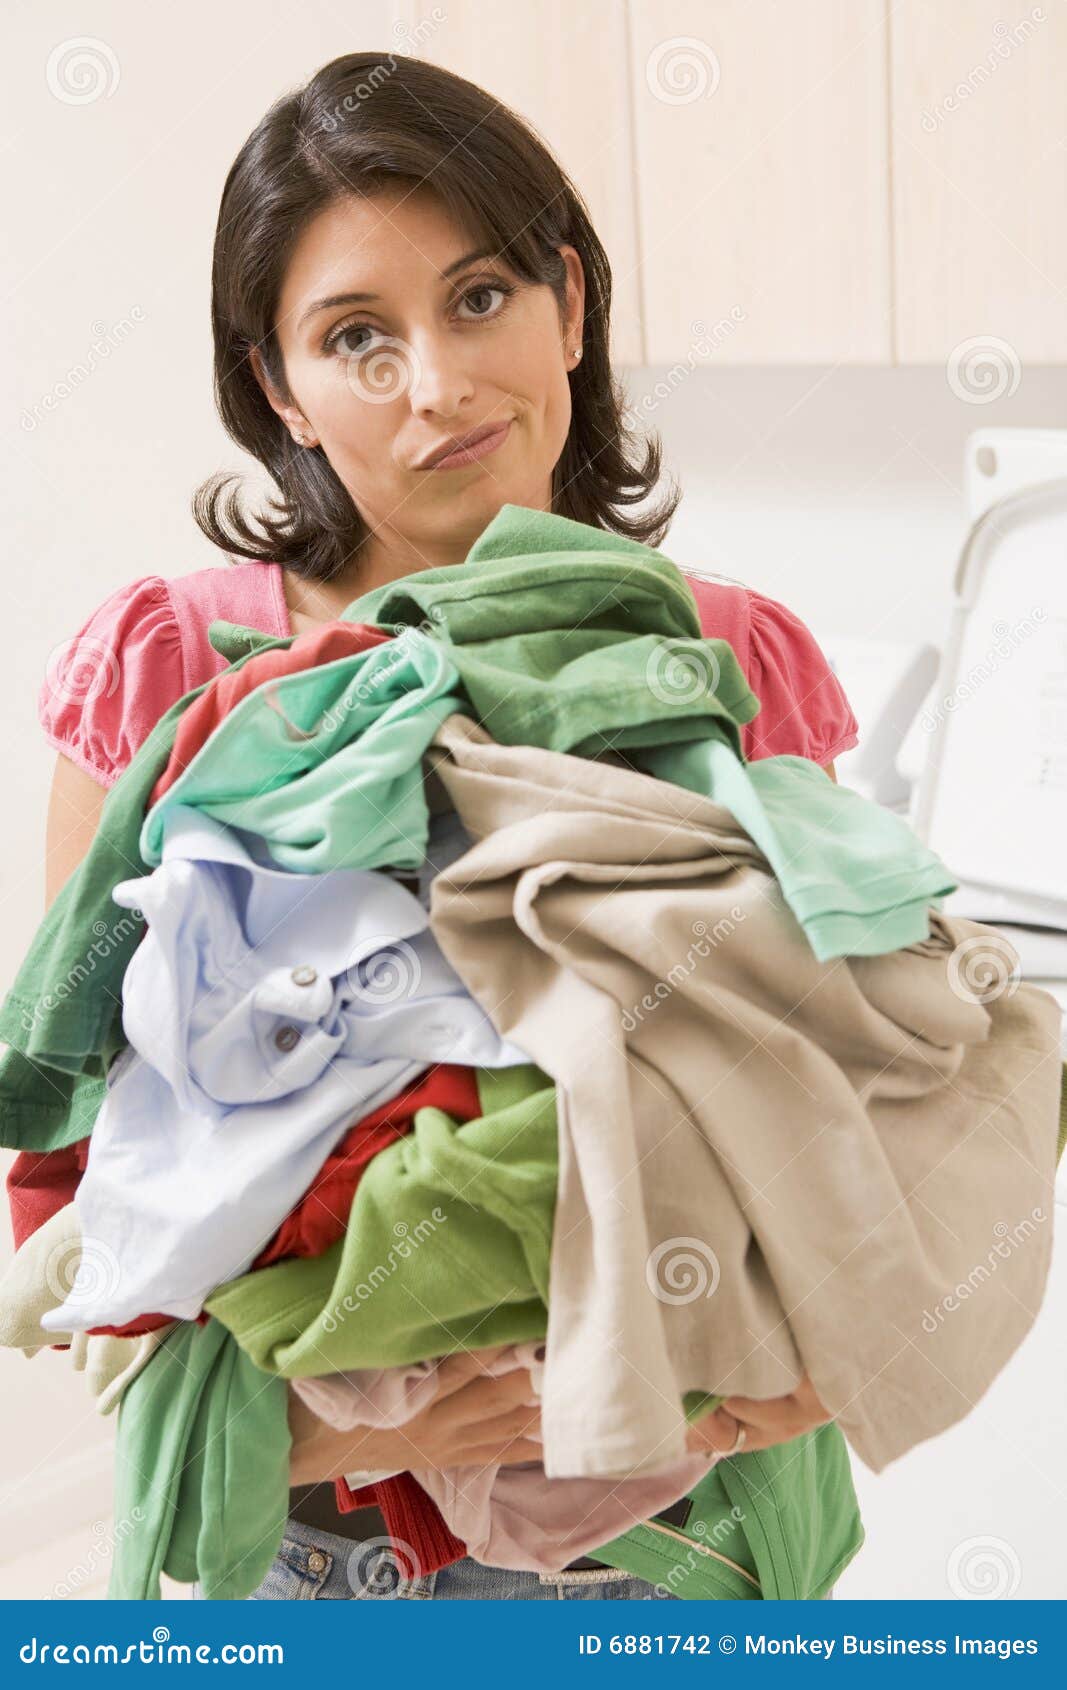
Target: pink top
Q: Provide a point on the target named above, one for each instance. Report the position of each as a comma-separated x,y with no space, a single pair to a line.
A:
147,644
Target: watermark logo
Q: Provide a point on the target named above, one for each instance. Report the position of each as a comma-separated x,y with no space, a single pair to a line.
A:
388,971
82,1272
984,1567
984,968
384,370
381,1566
81,669
682,1270
81,70
982,369
678,674
682,70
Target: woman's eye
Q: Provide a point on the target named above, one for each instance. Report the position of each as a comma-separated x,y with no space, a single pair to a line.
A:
339,341
344,339
479,293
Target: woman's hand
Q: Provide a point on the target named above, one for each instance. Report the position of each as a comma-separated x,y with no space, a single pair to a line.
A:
473,1420
773,1421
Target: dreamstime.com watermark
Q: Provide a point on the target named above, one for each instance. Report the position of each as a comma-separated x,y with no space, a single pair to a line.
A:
105,1538
1009,1239
1007,638
102,345
720,1533
398,659
107,936
706,342
1006,39
408,1240
410,39
159,1651
701,947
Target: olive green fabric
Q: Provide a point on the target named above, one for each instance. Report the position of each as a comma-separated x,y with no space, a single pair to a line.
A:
446,1247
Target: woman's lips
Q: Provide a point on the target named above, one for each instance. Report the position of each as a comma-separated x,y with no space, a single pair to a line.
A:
471,454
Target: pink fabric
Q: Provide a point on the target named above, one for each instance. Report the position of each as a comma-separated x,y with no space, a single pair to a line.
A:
803,707
140,650
507,1516
147,644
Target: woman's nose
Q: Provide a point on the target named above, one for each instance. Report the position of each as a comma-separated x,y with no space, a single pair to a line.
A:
440,381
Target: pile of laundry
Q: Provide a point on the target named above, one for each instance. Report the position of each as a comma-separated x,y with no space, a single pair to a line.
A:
445,979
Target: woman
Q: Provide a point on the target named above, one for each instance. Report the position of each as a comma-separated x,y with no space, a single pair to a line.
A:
411,323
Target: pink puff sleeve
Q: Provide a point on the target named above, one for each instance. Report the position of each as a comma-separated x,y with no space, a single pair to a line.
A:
804,711
106,688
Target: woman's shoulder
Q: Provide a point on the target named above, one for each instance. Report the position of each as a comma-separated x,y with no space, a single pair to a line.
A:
803,707
140,650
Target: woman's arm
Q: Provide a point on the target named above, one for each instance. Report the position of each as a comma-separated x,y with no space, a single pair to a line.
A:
830,770
74,807
474,1419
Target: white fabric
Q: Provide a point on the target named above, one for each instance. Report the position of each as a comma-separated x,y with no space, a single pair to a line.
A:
266,1012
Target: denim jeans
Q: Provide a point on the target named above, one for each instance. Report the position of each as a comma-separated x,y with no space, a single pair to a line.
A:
313,1564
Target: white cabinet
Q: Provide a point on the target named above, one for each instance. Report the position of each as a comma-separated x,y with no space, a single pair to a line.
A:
979,167
762,179
838,181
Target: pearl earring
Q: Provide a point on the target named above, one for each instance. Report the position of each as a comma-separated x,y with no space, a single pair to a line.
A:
577,351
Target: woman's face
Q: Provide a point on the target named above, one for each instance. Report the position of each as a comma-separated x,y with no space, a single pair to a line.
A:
441,344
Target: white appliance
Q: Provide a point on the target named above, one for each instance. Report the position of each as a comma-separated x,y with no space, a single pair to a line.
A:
971,743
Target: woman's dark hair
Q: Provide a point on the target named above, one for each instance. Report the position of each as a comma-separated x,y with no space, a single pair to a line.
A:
367,122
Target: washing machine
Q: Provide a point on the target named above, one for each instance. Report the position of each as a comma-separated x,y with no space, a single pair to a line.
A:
977,1512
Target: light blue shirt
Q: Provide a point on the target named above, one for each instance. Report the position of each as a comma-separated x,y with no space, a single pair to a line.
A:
266,1012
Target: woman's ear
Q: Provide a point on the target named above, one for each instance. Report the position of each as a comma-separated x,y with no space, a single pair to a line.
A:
291,416
574,315
259,371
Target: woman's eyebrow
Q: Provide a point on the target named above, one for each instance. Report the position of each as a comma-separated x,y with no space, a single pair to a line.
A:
333,299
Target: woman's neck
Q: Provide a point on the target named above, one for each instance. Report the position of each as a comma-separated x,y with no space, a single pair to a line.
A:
313,602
